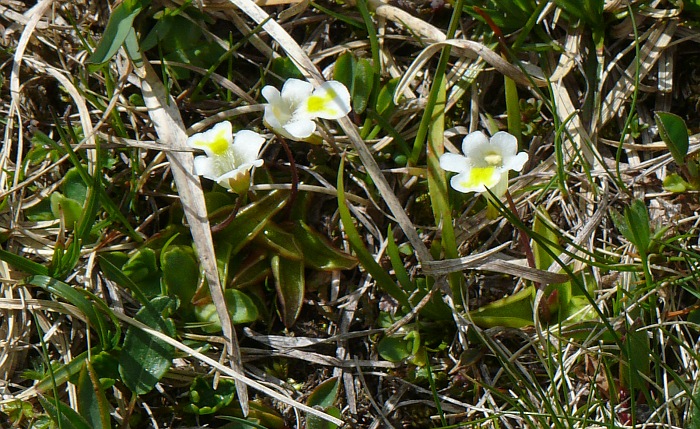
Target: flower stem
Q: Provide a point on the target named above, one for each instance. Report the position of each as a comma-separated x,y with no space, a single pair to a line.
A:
226,222
522,237
295,175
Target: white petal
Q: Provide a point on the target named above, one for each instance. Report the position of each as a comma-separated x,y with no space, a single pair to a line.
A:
270,93
453,162
500,188
276,110
506,142
331,100
296,91
246,146
215,141
273,122
301,129
474,141
233,174
203,166
516,162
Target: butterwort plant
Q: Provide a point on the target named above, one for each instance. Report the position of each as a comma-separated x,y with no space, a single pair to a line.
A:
291,112
485,163
229,158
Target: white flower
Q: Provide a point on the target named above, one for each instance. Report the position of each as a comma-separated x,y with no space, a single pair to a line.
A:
485,163
291,113
228,160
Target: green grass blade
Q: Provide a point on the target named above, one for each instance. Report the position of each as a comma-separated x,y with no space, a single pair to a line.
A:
363,255
75,297
23,264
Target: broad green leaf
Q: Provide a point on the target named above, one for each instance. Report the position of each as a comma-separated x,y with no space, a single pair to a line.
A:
280,241
576,304
180,273
636,363
204,399
289,283
313,422
216,200
639,230
435,309
160,31
62,414
342,70
92,401
65,208
319,253
358,76
74,187
40,212
675,183
634,225
514,311
131,46
91,205
323,396
250,220
142,269
240,306
184,42
394,349
674,133
144,358
385,99
363,79
383,279
252,271
118,27
106,364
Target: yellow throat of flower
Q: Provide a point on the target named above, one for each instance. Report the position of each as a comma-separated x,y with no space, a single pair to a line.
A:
321,103
480,176
218,145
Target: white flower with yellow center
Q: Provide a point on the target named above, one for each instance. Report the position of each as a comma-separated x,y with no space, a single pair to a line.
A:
291,112
485,163
228,159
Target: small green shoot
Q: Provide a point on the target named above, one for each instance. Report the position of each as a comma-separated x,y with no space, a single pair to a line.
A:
674,133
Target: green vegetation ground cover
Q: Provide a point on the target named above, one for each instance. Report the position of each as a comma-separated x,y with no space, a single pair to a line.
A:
350,282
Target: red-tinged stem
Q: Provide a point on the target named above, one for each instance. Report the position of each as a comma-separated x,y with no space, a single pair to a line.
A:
226,222
295,176
521,236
